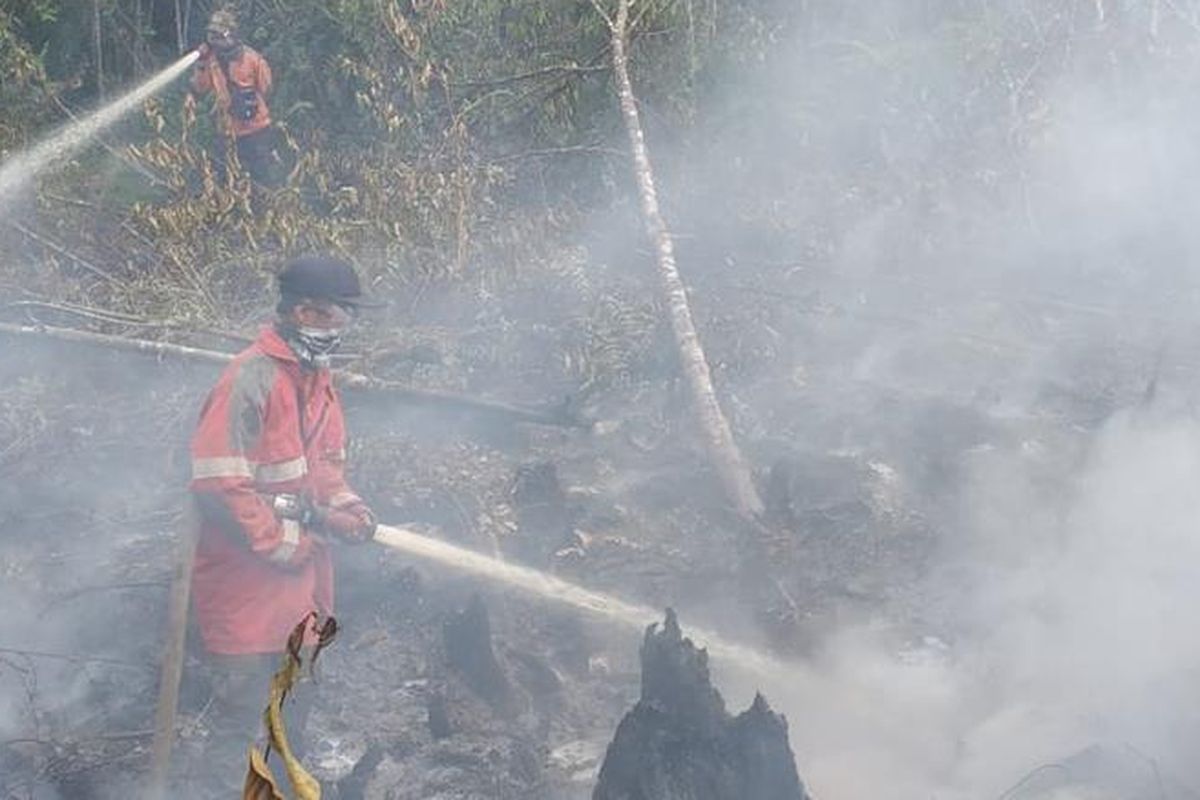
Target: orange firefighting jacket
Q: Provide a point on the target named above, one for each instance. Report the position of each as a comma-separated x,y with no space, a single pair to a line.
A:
268,427
248,70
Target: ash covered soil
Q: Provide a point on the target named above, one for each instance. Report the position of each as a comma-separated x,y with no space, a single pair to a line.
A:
941,259
443,686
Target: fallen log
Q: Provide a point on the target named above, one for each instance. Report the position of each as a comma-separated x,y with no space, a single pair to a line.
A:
352,381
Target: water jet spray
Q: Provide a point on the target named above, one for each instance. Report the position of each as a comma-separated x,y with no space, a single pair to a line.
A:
553,588
19,169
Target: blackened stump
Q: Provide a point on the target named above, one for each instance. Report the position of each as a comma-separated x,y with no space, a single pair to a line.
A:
679,743
467,636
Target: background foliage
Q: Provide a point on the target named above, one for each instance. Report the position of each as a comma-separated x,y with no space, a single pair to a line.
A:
470,157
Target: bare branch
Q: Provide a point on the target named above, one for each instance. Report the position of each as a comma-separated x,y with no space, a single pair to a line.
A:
347,380
81,659
558,151
604,15
558,69
62,251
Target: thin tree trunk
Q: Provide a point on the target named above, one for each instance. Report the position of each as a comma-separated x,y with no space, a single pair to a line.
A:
139,42
178,27
171,668
726,457
98,41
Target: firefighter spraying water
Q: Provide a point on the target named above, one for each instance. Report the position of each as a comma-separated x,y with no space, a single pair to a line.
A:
268,460
239,79
267,478
237,76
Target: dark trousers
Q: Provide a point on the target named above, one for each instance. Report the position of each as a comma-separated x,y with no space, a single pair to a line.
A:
240,690
255,152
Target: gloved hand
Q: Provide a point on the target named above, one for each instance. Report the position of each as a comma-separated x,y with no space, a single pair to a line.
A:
296,557
206,52
352,523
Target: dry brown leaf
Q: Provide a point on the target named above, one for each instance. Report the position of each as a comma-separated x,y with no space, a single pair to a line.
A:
260,783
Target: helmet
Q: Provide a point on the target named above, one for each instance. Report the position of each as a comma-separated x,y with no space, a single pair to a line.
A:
316,277
321,277
222,31
223,19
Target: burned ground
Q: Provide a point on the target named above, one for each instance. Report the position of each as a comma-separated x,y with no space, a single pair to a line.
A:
941,259
855,519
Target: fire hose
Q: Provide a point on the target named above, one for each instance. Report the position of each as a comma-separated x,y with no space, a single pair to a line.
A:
419,544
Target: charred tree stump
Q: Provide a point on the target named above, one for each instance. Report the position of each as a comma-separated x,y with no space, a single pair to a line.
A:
437,717
543,517
679,742
354,785
723,451
467,636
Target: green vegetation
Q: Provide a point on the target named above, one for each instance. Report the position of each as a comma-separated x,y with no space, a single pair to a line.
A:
470,148
449,147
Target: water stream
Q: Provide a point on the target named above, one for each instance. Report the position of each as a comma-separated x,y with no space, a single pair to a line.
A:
556,589
19,169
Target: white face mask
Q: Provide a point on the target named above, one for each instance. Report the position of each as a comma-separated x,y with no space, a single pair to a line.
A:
222,41
313,346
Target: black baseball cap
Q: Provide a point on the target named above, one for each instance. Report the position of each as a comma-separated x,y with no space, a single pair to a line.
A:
322,277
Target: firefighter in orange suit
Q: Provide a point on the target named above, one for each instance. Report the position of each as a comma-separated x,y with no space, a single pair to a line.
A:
239,78
268,480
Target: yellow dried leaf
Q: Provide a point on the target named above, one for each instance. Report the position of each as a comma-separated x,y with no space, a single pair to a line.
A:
304,786
260,783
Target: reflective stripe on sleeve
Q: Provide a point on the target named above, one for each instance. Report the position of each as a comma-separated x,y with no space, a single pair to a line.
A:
221,467
284,551
282,471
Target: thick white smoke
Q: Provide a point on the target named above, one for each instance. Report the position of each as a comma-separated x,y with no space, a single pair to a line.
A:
1066,622
1058,278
